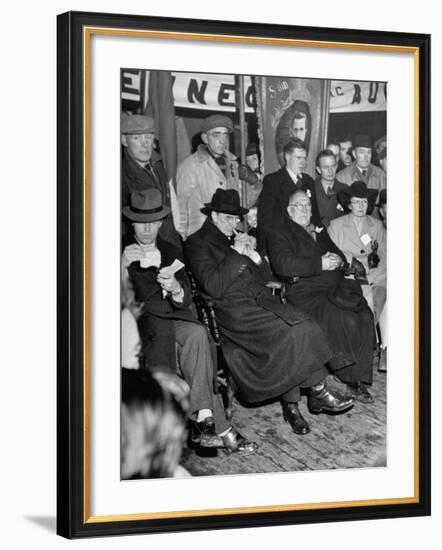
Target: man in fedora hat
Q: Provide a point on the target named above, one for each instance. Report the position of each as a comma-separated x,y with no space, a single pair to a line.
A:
212,166
271,348
361,169
142,167
172,338
313,268
361,236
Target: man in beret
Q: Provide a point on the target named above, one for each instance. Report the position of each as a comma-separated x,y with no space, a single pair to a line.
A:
172,338
211,167
142,167
361,169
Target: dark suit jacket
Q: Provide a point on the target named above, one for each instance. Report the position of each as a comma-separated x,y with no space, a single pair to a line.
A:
158,313
274,199
136,178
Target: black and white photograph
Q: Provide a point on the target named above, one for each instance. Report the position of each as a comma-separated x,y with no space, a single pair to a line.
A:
254,330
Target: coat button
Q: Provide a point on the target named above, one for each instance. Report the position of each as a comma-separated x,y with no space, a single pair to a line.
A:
362,252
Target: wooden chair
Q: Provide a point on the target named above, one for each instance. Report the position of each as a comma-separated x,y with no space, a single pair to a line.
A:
205,307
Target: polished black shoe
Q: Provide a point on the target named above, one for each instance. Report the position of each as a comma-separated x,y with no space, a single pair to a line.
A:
203,434
234,442
293,416
329,400
360,393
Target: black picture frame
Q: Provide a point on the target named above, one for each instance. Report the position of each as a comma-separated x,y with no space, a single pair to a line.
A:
73,518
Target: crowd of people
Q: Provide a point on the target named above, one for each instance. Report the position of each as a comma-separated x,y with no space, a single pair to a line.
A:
322,240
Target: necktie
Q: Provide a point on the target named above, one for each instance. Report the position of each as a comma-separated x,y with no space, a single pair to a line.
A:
151,172
363,172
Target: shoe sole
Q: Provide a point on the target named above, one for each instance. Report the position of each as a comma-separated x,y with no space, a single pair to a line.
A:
330,411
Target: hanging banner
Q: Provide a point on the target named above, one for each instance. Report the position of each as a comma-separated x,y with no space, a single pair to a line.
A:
348,96
288,108
209,92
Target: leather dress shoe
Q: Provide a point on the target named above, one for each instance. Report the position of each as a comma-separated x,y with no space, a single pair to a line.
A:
293,416
360,393
203,434
234,442
329,400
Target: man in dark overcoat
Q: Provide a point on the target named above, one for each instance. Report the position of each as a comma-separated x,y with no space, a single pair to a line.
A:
172,338
271,349
142,168
277,188
305,257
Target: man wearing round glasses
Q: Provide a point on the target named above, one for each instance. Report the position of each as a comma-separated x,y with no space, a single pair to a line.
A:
211,167
313,268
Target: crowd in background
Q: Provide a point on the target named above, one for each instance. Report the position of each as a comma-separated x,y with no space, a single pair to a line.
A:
320,239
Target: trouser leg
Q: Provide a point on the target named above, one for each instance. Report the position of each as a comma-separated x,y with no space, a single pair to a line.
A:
196,366
294,394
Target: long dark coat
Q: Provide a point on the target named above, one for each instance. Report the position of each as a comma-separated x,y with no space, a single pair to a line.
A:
156,320
269,347
135,178
274,199
335,302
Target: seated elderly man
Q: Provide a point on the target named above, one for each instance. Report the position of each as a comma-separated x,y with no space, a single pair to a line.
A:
272,349
306,258
172,339
363,237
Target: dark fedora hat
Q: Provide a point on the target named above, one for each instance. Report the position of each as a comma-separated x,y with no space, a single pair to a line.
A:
360,190
146,206
225,201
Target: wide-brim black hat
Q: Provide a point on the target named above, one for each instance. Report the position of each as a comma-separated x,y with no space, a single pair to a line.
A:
225,201
360,190
146,207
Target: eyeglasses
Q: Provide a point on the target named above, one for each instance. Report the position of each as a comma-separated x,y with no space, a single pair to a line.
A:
301,206
359,202
231,219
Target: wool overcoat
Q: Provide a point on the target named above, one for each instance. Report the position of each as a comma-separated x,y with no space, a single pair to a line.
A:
335,302
269,347
274,199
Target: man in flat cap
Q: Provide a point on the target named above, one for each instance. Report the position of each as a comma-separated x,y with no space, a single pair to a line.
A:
142,167
172,339
211,167
361,169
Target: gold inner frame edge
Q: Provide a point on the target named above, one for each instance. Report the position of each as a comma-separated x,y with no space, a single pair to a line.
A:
87,34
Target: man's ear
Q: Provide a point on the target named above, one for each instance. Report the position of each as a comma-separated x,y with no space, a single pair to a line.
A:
204,137
124,140
353,153
318,170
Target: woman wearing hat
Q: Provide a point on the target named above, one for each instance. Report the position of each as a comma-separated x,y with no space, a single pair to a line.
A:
363,237
271,348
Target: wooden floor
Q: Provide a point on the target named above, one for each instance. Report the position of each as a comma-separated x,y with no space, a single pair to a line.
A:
356,439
